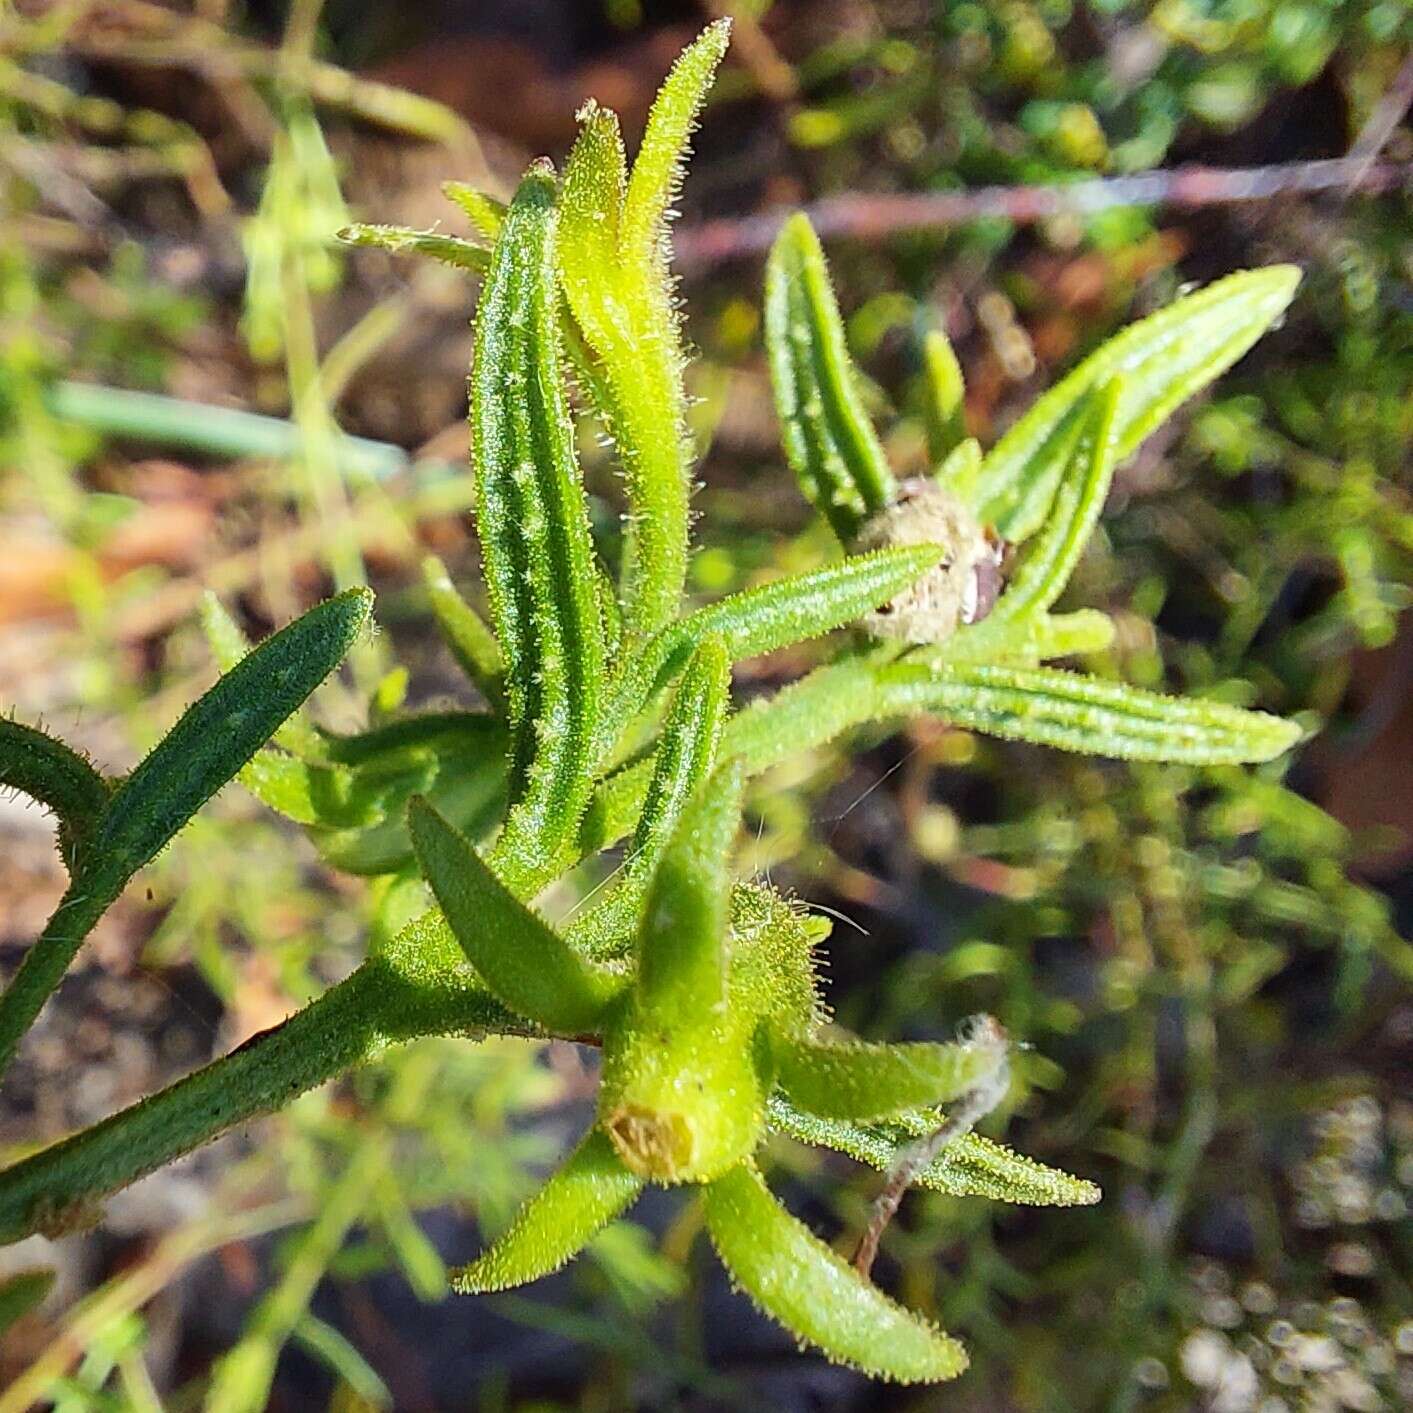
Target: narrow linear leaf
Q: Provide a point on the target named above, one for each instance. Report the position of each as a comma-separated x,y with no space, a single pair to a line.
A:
220,732
522,960
772,616
662,157
813,1292
854,1080
1032,639
1164,358
1073,712
959,471
829,439
584,1196
534,529
402,240
970,1166
340,1355
484,212
472,644
213,739
36,764
228,644
686,750
1044,571
614,267
682,960
944,407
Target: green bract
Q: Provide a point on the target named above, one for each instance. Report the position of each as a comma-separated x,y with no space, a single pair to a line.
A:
607,717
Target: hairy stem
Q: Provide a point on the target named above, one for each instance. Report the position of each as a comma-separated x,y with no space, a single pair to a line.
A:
382,1003
47,960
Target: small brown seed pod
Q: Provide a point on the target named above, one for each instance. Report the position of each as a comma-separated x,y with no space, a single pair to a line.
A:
964,585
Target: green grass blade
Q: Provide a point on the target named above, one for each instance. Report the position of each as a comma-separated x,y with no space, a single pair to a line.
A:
1164,358
584,1196
533,522
523,961
794,1277
829,439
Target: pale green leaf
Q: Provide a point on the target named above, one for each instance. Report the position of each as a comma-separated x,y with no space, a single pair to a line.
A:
814,1293
1164,360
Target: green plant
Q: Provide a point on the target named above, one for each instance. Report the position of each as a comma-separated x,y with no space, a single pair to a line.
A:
700,991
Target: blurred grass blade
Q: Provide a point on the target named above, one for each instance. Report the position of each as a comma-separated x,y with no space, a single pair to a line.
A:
584,1195
1165,359
944,406
794,1277
472,644
970,1166
334,1350
829,440
57,777
21,1293
854,1080
523,961
534,528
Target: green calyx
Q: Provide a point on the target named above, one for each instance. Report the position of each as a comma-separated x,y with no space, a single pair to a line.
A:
606,717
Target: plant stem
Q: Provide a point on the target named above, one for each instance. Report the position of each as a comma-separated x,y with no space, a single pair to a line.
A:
387,1000
47,960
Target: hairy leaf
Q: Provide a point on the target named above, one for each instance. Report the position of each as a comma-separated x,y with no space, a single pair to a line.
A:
1044,571
817,1295
970,1166
1052,707
534,529
472,644
682,962
1164,359
768,617
484,212
614,265
584,1196
829,440
944,406
523,961
854,1080
402,240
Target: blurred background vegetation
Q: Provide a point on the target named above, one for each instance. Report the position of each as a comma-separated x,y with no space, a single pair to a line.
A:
1211,968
